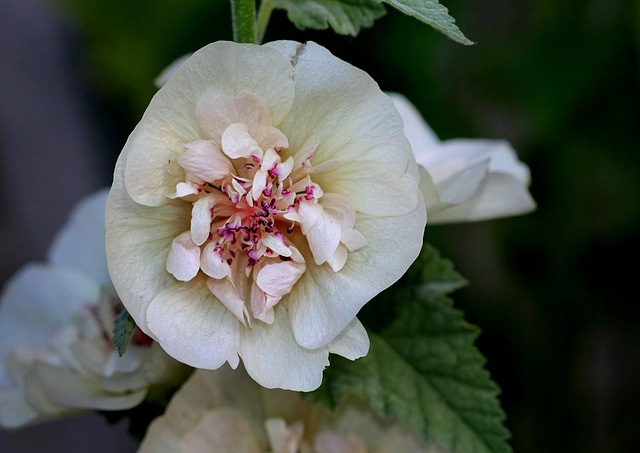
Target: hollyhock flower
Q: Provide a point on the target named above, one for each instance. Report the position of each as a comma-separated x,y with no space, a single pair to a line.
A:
225,411
56,323
465,180
266,195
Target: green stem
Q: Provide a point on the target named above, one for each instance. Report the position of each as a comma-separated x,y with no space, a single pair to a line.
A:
264,14
243,19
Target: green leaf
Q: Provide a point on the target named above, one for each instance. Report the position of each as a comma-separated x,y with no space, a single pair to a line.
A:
123,328
346,17
431,12
423,367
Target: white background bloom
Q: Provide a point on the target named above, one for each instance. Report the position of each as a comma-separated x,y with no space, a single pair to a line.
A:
464,180
56,356
309,141
225,411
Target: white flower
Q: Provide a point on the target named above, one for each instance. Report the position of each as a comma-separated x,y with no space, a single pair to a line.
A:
56,322
266,195
465,180
225,412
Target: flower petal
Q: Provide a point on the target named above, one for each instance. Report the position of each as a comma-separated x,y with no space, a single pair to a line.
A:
152,171
183,261
204,160
323,302
357,125
84,230
273,358
193,326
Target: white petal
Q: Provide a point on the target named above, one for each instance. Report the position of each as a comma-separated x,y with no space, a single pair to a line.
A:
201,215
323,302
276,243
420,135
324,237
340,208
138,240
84,230
352,343
338,259
37,302
277,279
357,125
183,261
308,212
193,326
230,296
212,263
223,431
237,142
274,359
169,122
283,438
353,240
204,160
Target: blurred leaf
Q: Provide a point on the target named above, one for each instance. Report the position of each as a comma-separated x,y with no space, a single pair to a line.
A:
123,328
345,17
423,367
431,12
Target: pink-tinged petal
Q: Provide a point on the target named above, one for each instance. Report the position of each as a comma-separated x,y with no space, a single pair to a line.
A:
259,307
353,239
231,297
212,263
237,142
352,343
329,442
201,215
271,137
204,161
276,243
183,261
192,325
283,438
277,279
224,431
274,359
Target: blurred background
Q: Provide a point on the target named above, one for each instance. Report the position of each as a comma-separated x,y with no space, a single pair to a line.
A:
551,290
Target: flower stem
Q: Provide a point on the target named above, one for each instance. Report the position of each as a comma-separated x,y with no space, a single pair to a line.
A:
264,14
243,19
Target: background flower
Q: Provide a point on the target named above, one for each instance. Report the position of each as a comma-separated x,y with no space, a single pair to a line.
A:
315,145
56,322
226,410
465,180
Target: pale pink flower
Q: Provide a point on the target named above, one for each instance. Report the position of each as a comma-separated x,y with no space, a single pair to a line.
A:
225,412
266,195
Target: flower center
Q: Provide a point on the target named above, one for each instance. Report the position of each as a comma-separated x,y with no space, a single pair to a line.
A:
255,217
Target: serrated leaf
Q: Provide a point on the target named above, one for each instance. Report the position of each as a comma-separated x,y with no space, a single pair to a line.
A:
346,17
422,366
123,328
433,13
